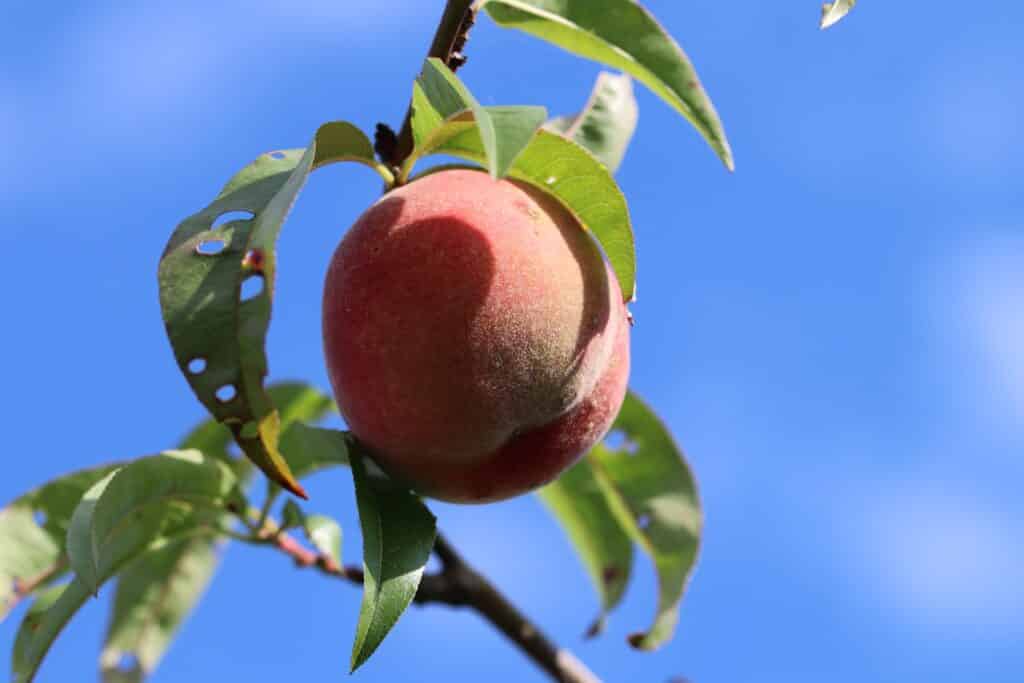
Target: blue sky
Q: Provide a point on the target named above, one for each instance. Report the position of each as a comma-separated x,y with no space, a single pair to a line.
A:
833,332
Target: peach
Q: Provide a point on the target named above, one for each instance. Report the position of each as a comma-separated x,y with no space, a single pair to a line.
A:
476,340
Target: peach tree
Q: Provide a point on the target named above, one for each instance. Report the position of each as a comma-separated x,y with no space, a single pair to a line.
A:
476,334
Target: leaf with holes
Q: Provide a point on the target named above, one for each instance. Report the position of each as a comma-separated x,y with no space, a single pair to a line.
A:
217,332
623,35
578,502
140,508
311,449
398,536
33,531
127,509
155,594
832,12
652,492
580,182
607,122
442,107
295,401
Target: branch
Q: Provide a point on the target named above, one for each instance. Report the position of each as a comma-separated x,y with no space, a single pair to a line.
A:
459,585
25,587
449,43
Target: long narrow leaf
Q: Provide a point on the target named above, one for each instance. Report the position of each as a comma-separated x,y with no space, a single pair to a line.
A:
398,535
623,35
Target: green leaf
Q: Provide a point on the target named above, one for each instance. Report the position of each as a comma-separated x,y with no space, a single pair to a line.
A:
582,184
398,535
311,449
832,12
216,288
577,501
607,122
142,507
653,494
325,535
443,106
322,531
295,402
124,512
292,515
155,594
31,623
623,35
33,531
41,626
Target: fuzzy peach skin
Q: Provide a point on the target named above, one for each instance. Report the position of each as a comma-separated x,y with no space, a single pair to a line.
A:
475,338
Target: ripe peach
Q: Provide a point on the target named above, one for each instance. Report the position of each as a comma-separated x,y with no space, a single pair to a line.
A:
475,338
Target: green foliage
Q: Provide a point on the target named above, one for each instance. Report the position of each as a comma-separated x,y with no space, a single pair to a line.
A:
125,511
142,507
325,535
155,594
310,449
606,124
47,615
443,106
578,502
641,490
33,532
323,532
832,12
623,35
217,330
398,535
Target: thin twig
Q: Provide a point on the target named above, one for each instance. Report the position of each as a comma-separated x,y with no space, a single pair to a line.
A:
458,585
25,587
449,42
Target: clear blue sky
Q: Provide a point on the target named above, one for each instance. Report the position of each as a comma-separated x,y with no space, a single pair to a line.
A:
834,332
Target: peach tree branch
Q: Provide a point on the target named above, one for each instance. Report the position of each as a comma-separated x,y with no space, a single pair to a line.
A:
457,584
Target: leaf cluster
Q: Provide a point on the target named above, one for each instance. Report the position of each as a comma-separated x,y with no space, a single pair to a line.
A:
156,525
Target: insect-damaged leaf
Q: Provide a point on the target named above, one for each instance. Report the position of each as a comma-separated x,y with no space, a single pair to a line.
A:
217,285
